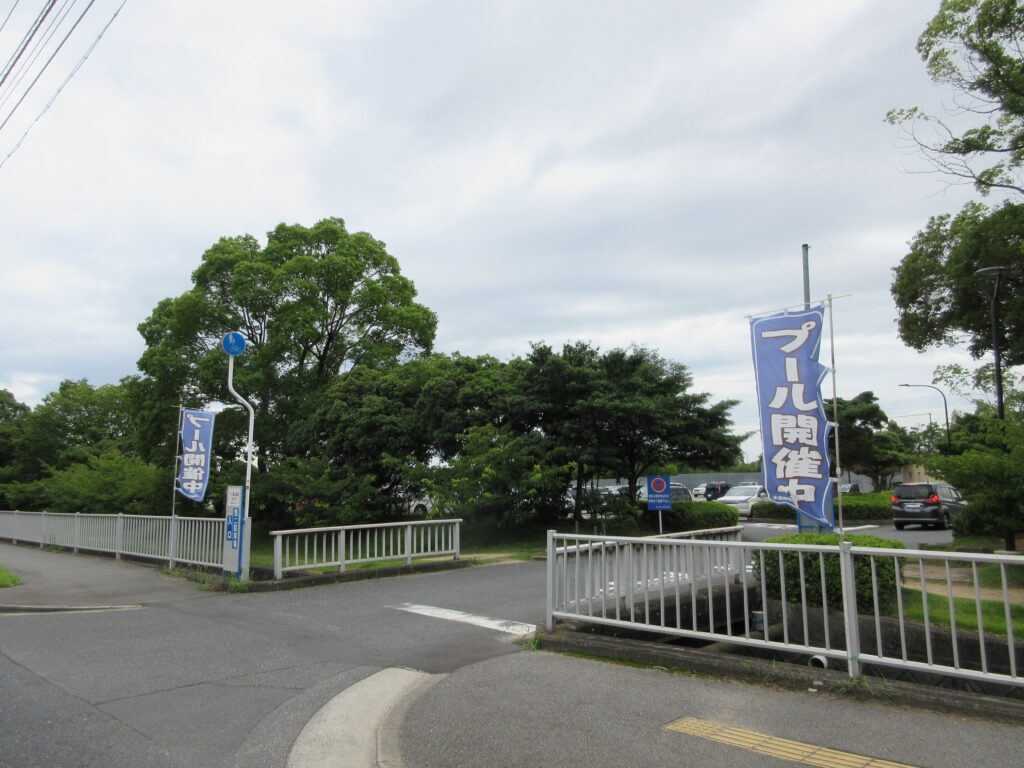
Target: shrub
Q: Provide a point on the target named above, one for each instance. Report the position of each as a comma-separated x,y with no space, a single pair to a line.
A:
867,506
698,515
885,571
771,509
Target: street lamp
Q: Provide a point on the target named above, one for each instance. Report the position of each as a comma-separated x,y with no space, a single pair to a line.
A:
945,409
995,273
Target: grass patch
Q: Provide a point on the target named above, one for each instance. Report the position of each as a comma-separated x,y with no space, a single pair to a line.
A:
8,579
990,575
993,615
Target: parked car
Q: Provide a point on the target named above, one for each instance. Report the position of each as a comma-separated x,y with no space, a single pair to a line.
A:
698,491
677,492
715,489
849,488
744,497
935,504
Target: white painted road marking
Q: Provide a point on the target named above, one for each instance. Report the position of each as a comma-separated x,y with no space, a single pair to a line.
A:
502,625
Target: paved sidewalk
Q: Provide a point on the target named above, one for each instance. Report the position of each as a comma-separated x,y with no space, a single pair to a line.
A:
60,579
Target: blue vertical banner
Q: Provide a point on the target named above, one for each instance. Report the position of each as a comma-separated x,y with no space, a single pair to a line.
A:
794,428
196,452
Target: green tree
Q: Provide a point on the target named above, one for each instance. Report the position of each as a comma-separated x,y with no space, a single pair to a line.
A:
648,417
105,483
13,419
938,298
974,47
311,303
990,475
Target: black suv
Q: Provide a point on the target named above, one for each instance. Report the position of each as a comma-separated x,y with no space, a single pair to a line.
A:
925,503
715,490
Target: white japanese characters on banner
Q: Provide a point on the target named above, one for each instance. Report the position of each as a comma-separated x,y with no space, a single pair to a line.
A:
196,444
794,429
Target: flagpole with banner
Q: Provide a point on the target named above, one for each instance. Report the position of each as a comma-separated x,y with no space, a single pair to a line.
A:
794,427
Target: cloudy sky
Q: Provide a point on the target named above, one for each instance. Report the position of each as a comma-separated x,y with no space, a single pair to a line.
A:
615,172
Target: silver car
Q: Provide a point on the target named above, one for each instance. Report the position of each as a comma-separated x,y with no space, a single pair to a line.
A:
744,497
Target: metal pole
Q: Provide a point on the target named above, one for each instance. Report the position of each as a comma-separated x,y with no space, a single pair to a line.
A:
177,458
807,275
835,415
945,410
248,462
997,352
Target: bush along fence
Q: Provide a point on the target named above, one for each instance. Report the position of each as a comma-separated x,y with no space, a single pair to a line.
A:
186,540
340,546
856,603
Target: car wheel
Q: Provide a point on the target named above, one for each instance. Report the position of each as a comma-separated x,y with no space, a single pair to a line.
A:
943,523
898,526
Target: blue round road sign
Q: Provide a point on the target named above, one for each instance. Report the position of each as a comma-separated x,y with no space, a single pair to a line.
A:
233,343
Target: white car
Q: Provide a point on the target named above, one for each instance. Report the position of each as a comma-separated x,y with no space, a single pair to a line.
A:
744,497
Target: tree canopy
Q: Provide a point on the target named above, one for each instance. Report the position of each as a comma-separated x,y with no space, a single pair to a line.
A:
976,47
311,303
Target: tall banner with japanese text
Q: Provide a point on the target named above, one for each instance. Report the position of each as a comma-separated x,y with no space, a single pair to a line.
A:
794,428
196,452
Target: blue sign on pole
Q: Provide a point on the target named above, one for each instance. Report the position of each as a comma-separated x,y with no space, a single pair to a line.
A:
794,428
233,343
196,436
659,493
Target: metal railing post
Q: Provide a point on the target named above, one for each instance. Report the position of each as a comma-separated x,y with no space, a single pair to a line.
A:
279,558
549,609
172,541
850,616
42,530
458,546
15,539
118,535
342,553
78,532
408,544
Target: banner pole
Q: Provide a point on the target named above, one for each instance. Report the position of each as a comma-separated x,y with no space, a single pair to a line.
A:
835,416
177,458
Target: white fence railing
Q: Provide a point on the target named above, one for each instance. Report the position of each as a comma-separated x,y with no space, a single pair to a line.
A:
924,611
340,546
191,540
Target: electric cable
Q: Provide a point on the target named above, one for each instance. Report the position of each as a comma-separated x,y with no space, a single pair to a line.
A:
8,17
36,52
26,40
67,80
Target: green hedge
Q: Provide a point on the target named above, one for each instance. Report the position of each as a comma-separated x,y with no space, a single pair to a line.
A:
698,515
856,506
885,571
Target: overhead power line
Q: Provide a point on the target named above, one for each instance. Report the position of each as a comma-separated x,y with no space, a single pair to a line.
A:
66,80
26,40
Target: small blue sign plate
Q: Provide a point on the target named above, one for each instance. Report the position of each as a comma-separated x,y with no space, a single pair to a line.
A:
233,343
659,493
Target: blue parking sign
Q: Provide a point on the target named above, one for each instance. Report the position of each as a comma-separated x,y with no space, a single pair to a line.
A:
659,493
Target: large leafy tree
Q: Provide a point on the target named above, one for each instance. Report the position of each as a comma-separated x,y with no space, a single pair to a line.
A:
976,47
311,303
649,417
938,297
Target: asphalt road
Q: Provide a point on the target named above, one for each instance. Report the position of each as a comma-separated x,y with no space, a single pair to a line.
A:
198,679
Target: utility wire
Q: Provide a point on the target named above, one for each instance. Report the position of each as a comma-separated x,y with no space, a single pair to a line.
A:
36,52
26,40
47,64
8,18
67,80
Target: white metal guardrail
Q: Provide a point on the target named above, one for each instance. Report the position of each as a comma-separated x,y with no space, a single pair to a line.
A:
343,545
893,608
191,540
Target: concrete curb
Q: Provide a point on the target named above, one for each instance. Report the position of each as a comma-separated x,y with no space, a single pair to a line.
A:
65,608
784,674
359,727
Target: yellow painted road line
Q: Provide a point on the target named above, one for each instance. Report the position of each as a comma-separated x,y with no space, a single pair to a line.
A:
787,749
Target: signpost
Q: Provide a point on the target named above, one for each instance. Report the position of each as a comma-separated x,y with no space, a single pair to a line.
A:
234,344
236,534
659,496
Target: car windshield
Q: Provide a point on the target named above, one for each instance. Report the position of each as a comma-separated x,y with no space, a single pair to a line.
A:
913,491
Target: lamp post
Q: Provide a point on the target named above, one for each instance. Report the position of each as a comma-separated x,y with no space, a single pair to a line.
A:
995,274
945,409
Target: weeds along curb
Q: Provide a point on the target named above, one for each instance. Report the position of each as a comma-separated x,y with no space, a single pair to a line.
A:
783,675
